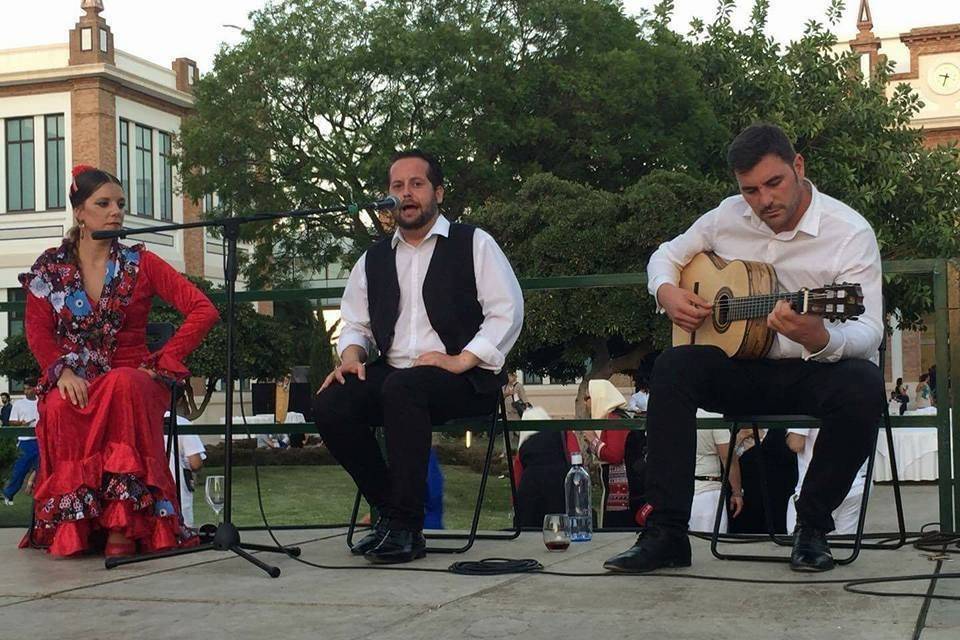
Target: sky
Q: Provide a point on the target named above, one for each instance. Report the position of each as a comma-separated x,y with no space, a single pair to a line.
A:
164,31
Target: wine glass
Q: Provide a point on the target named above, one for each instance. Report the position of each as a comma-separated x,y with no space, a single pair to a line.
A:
215,494
556,531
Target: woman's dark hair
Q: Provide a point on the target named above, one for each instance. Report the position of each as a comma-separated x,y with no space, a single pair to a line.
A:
924,376
757,141
86,181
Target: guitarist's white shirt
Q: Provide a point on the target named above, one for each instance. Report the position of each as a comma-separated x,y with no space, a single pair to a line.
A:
832,243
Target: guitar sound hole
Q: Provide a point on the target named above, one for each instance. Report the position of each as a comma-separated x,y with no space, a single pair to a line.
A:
721,311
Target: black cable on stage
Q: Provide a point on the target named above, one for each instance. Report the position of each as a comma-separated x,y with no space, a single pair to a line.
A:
495,567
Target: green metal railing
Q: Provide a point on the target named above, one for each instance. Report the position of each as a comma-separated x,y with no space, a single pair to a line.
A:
945,283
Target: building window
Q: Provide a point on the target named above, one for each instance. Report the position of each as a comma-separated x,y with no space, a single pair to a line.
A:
166,177
55,163
21,181
144,155
191,73
86,39
15,327
208,203
103,40
125,156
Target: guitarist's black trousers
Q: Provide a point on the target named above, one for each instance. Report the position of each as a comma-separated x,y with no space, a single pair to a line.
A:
847,396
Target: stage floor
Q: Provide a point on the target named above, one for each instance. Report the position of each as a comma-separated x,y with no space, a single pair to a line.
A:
216,595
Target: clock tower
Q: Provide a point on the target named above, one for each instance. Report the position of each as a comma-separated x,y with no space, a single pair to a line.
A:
928,59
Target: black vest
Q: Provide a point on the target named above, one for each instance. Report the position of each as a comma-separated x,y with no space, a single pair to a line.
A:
449,295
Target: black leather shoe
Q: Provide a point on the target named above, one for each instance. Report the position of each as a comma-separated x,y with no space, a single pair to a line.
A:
810,549
398,545
372,539
656,547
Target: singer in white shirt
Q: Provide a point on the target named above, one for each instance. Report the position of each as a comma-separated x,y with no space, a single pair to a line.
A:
441,305
815,367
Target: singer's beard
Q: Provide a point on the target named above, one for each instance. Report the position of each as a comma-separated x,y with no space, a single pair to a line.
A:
426,216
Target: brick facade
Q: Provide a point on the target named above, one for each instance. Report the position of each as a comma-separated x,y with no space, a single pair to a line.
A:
94,118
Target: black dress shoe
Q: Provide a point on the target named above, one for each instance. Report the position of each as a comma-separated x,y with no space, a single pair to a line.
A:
372,539
398,545
810,549
656,547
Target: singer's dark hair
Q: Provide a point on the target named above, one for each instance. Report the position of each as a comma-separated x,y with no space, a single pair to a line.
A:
757,141
86,183
434,172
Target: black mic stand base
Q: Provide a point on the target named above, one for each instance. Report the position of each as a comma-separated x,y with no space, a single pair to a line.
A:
227,538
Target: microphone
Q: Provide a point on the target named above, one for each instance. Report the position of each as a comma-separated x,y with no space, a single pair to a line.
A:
389,204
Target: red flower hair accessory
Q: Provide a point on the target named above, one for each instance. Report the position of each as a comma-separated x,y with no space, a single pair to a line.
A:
77,170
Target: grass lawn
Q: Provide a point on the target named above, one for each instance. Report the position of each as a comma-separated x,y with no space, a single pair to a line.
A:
323,494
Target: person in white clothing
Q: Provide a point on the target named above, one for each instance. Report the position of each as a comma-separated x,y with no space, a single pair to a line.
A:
846,516
192,454
23,414
712,447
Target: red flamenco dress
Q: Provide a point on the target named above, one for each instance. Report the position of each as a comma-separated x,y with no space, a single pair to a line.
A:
103,467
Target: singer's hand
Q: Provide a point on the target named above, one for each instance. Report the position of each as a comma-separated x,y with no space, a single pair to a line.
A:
73,388
454,364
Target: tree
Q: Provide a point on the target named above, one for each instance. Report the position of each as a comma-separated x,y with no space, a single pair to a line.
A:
16,359
307,110
557,227
263,347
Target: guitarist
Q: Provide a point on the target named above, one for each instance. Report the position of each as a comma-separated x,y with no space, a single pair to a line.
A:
814,367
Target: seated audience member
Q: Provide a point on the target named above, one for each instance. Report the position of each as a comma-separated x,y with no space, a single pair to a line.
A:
923,397
712,448
540,468
846,516
610,448
781,473
637,404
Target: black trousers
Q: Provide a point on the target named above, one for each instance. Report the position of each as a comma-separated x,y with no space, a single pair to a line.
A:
406,402
847,396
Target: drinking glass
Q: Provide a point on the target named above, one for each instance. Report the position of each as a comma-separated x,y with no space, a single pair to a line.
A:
556,531
215,494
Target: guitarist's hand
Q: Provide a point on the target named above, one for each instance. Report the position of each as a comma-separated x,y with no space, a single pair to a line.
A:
686,309
805,329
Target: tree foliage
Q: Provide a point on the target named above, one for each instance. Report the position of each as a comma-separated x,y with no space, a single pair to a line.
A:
16,359
263,347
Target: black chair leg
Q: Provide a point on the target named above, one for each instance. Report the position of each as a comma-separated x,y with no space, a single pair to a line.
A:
724,492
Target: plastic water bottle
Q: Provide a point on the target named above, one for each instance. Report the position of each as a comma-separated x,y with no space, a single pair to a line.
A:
577,490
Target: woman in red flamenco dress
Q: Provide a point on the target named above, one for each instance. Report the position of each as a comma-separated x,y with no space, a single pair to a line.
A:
103,474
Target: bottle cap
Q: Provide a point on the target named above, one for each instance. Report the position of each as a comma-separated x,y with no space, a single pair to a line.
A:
576,458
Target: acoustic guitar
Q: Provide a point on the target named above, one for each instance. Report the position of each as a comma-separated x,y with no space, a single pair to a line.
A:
743,294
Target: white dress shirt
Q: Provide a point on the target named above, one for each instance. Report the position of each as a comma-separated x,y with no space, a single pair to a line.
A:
497,291
25,410
832,243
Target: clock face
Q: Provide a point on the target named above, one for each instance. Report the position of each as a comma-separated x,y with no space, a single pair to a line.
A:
944,78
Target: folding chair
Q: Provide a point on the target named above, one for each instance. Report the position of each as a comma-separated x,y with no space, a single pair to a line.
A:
785,421
497,417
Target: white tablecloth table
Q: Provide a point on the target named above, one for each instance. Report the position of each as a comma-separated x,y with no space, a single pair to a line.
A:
916,451
239,433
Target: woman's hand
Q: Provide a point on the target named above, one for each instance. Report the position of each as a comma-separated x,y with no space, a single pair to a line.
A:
74,388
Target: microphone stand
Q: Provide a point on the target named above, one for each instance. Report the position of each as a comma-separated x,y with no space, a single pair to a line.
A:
227,537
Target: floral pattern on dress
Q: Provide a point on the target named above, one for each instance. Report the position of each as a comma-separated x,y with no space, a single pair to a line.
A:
87,332
84,503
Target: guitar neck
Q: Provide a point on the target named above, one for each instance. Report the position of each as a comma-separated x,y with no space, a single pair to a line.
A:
747,307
